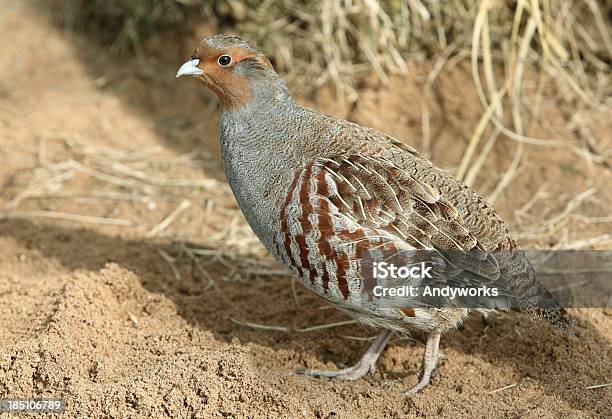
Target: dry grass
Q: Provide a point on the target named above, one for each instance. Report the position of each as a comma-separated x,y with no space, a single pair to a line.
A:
147,188
339,41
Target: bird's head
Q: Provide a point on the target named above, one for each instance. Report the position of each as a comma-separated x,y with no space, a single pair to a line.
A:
233,68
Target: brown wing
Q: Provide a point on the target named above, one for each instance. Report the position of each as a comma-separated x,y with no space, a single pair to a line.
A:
341,211
380,194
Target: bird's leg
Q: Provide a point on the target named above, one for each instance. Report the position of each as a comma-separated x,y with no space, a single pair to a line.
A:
366,364
438,355
430,359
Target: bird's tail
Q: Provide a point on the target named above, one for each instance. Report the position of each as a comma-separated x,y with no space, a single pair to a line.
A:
532,297
550,310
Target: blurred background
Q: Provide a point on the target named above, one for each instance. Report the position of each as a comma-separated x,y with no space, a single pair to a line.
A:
123,248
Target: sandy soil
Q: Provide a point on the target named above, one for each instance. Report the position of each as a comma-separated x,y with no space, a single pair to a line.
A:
125,321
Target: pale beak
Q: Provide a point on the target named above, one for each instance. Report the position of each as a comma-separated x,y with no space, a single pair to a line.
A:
189,69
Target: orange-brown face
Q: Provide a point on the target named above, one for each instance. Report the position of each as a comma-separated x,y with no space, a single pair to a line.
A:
225,72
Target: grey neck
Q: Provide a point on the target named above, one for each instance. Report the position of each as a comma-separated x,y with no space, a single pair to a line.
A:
259,154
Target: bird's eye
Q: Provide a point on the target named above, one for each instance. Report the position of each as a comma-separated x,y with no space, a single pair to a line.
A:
224,60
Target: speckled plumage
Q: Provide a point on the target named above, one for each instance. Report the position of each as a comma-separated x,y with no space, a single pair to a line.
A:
324,195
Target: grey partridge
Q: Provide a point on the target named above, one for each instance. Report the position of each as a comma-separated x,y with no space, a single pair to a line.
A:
329,198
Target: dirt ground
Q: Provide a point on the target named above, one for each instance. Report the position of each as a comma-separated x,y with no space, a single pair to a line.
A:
141,316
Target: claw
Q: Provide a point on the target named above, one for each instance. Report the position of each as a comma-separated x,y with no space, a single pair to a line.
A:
365,366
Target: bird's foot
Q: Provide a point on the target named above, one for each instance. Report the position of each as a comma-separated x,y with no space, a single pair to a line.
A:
423,382
367,363
357,371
